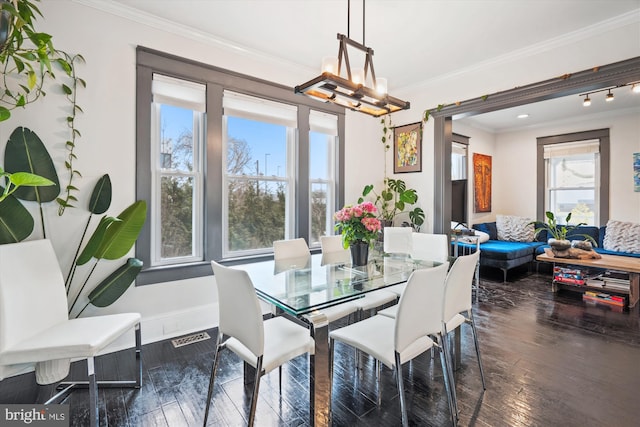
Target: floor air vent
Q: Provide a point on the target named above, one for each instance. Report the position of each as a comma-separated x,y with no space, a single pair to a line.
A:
190,339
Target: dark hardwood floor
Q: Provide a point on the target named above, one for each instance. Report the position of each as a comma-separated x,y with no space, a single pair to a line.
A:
550,360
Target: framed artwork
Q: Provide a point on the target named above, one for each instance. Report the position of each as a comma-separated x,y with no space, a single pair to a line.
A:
636,172
481,182
407,148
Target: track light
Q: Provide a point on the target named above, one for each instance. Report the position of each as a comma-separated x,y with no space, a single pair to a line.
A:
609,97
587,101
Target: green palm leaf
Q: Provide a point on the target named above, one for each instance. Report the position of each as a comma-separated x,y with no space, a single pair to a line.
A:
25,152
16,223
112,288
101,196
121,236
96,239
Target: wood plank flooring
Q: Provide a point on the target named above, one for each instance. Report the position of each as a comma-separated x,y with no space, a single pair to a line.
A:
549,359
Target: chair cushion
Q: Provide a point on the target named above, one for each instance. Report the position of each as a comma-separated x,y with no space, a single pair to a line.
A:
283,341
83,337
375,336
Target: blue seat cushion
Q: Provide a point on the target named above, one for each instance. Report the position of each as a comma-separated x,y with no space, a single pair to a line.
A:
498,249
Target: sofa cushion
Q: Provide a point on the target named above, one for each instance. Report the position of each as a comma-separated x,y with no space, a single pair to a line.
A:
498,249
622,236
588,230
602,251
489,228
514,228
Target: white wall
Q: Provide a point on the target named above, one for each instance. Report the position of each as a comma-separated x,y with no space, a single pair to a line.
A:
108,41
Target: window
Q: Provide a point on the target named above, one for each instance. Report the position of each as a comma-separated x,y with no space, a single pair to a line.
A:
228,163
459,160
575,171
572,173
323,138
177,125
258,200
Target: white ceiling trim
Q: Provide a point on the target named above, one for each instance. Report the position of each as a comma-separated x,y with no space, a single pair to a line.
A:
620,21
144,18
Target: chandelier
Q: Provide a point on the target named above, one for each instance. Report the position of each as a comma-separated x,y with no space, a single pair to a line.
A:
356,90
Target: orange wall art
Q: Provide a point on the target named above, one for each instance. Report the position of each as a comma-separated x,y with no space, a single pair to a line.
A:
481,182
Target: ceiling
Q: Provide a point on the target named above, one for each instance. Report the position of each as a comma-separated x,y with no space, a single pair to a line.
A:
301,32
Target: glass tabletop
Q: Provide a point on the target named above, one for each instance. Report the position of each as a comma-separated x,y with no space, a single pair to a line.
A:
301,285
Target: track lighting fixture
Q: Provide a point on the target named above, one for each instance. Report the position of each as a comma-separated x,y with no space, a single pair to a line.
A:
635,88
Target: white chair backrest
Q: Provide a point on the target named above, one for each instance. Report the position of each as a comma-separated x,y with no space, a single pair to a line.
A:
458,290
32,292
331,244
240,314
397,240
430,247
291,248
420,307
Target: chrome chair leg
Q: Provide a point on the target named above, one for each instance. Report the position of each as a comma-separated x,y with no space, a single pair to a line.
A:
445,348
403,404
214,366
447,384
475,340
93,392
256,387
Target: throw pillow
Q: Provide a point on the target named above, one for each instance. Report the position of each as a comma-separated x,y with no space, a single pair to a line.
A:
622,237
514,228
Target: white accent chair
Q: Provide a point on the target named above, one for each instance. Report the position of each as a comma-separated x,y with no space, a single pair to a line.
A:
263,344
290,248
457,302
35,325
396,341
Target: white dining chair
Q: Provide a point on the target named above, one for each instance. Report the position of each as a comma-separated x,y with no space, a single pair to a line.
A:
397,240
424,246
263,344
456,304
35,325
290,248
396,341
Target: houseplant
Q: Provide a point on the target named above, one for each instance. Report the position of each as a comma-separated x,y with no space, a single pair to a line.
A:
359,227
393,200
558,232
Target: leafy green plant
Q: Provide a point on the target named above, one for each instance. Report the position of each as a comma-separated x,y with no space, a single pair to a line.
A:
560,231
28,59
393,200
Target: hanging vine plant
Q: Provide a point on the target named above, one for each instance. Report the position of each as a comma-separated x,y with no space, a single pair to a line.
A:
28,59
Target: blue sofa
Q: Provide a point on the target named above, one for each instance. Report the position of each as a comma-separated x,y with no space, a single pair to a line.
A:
507,255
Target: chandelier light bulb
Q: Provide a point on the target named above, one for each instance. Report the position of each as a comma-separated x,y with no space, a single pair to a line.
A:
357,76
381,85
635,88
587,101
330,65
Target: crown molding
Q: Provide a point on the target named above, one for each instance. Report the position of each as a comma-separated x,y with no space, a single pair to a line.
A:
135,15
628,18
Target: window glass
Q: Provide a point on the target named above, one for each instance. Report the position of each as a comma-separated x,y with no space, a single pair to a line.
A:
176,137
258,174
572,174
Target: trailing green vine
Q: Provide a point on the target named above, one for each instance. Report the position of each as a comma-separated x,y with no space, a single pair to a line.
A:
71,94
27,61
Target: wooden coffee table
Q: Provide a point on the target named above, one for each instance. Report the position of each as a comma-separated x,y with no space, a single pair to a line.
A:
625,264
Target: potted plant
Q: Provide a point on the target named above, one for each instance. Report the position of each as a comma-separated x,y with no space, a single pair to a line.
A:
558,232
393,200
359,227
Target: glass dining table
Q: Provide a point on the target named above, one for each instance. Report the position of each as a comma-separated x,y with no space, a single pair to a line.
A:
302,287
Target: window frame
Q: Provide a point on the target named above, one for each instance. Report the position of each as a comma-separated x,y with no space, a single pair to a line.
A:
602,170
149,61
